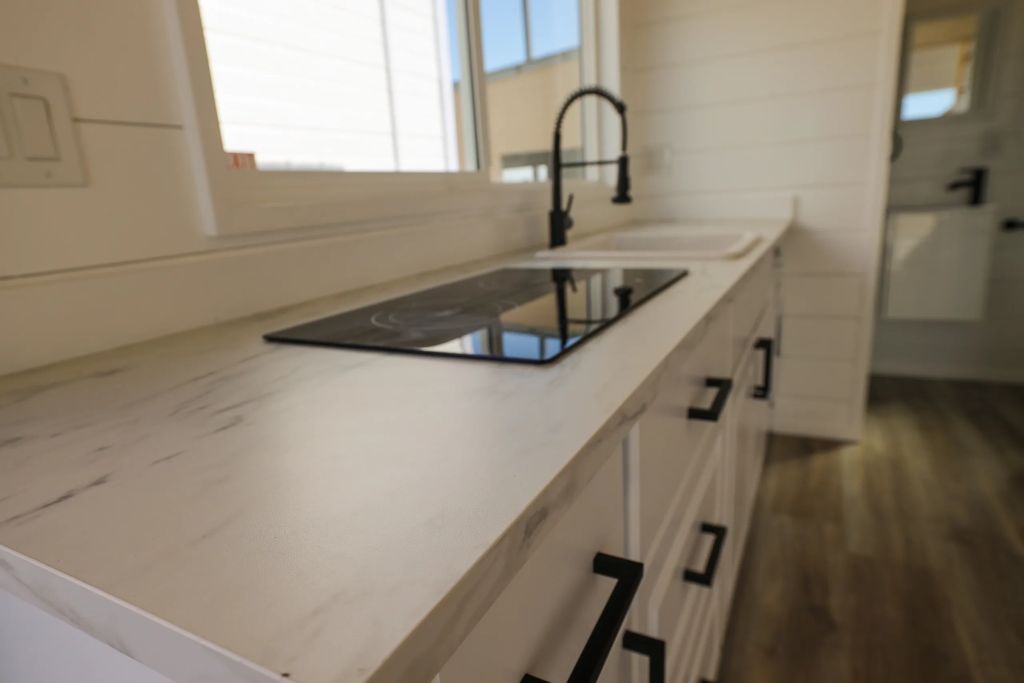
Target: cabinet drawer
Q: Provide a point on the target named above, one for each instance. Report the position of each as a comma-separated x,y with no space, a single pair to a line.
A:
751,299
704,664
541,622
751,423
668,439
678,596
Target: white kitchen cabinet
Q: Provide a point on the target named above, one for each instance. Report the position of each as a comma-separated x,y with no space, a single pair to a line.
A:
705,659
696,476
541,622
752,419
749,419
712,469
751,297
669,441
677,498
743,458
678,598
679,453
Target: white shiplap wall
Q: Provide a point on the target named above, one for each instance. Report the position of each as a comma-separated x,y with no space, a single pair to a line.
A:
991,135
735,102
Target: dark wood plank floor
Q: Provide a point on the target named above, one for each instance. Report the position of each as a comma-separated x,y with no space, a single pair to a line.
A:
900,559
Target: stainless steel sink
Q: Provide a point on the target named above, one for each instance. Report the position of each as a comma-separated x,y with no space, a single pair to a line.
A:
659,242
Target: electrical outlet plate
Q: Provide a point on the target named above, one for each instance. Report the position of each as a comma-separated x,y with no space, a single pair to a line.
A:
38,147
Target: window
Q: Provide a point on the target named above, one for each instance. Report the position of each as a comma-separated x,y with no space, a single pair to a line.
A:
554,27
531,53
940,65
340,85
323,113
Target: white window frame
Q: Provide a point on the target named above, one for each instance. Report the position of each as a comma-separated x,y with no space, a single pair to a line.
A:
987,45
240,202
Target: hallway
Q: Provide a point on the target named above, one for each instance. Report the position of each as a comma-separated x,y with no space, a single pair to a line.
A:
900,559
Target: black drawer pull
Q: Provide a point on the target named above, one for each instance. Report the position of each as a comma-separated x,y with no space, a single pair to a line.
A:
712,414
627,574
707,577
652,648
764,390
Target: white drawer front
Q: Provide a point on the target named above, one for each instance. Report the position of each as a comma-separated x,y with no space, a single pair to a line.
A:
668,439
674,603
541,622
703,665
752,297
753,417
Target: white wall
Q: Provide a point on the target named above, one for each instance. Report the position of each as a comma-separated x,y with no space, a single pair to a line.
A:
992,136
124,258
734,102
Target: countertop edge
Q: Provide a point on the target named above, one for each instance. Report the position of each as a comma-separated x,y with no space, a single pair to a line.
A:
167,649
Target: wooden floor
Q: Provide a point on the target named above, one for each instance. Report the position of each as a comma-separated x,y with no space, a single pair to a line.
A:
898,559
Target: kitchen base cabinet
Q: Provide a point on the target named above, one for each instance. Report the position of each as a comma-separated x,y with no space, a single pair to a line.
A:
746,433
669,441
676,498
707,447
540,624
677,597
753,417
705,660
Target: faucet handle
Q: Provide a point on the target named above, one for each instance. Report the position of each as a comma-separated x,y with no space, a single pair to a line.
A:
569,222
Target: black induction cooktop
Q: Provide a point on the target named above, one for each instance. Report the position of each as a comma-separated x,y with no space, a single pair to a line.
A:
516,315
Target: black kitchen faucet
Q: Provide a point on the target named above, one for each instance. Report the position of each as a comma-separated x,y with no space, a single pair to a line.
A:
559,220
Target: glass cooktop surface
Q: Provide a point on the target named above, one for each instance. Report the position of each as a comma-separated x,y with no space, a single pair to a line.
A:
518,315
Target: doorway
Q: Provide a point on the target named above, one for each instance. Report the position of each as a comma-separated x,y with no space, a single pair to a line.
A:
951,296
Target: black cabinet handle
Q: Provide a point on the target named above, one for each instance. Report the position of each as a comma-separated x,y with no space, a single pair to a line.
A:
712,414
707,577
1013,224
652,648
764,390
627,574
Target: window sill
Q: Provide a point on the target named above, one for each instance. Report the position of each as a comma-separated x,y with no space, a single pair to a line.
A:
384,206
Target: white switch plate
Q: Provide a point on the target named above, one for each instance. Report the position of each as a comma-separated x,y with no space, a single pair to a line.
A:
37,132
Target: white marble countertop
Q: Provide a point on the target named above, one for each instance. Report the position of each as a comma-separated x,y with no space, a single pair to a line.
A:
221,508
